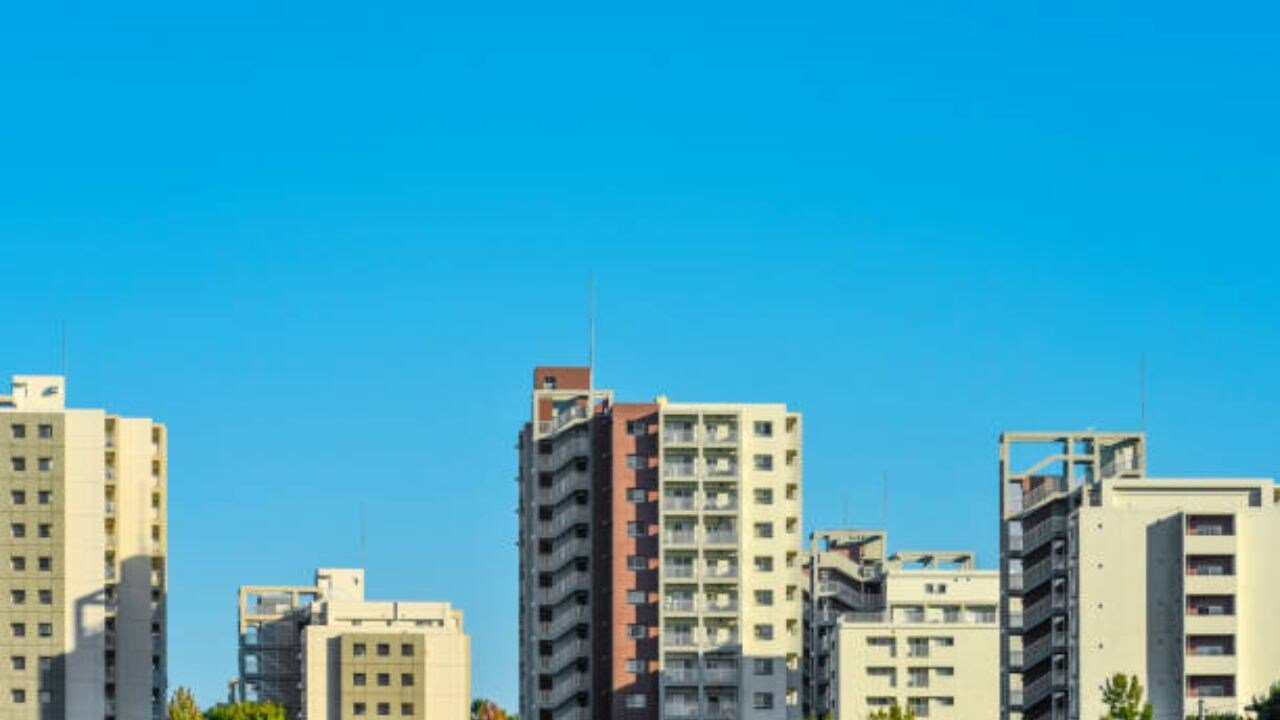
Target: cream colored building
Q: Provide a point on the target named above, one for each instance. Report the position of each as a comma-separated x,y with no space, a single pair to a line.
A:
932,648
327,653
731,542
84,577
1108,570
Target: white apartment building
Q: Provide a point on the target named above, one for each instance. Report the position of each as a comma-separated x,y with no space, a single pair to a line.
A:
914,629
1107,570
82,629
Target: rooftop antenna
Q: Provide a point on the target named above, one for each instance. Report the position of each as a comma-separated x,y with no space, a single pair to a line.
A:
1142,391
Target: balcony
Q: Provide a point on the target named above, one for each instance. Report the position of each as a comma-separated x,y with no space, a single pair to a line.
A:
1036,652
565,654
1043,687
1043,609
1049,487
1043,570
681,639
1040,533
565,620
679,537
720,572
678,572
720,503
720,675
721,470
679,436
678,502
717,638
722,711
679,605
678,470
721,537
721,606
680,676
680,710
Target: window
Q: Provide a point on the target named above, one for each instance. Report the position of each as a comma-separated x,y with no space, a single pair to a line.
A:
384,650
918,677
45,629
764,631
406,709
406,650
46,564
945,671
384,708
45,431
46,530
764,563
634,666
19,497
918,706
764,597
18,662
548,382
18,530
358,649
762,666
637,563
18,629
46,664
637,462
636,597
44,496
636,632
44,464
19,431
763,496
636,529
18,563
636,495
18,597
358,709
637,427
764,462
763,428
359,680
19,696
19,464
762,701
635,701
384,679
46,597
764,530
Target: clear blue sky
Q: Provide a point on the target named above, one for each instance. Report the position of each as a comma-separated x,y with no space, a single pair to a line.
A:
325,242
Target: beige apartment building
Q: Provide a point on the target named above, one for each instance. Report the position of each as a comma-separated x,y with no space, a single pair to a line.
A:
659,556
83,516
1107,570
324,652
917,629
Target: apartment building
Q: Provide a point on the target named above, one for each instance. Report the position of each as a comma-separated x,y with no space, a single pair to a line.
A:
659,556
917,629
83,513
324,652
1107,570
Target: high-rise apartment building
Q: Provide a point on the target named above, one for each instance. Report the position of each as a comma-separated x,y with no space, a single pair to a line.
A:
324,652
917,629
84,572
1106,570
659,556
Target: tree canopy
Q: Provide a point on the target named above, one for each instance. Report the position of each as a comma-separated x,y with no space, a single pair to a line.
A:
1123,697
245,711
182,706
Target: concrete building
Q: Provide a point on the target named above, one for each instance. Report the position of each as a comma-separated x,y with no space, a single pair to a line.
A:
659,556
917,629
83,512
1107,570
324,652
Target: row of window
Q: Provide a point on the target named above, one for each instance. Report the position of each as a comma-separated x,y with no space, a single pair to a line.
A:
19,497
19,431
19,696
19,630
761,428
18,596
382,709
18,531
382,679
19,464
18,563
381,649
18,663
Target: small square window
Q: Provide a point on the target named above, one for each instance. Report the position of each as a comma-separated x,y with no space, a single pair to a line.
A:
637,427
18,563
359,680
358,709
635,701
384,679
46,597
763,462
18,629
762,701
19,431
406,679
19,464
358,649
763,563
763,428
46,431
634,666
18,662
764,530
45,564
45,629
635,562
44,464
19,696
384,708
764,597
406,650
764,632
763,496
46,664
637,462
637,597
18,597
637,495
762,666
44,497
18,530
636,632
18,497
406,709
46,697
636,529
46,530
384,650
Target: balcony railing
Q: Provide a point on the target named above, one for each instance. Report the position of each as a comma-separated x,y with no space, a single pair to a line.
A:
720,572
673,571
684,436
721,537
1049,487
678,502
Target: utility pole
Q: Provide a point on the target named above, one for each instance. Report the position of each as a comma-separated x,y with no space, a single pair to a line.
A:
1200,712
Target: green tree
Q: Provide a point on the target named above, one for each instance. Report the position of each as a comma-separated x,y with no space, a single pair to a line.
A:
245,711
1123,697
1267,707
893,712
182,706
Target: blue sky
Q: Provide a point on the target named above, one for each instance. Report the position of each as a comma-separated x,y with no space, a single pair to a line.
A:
326,242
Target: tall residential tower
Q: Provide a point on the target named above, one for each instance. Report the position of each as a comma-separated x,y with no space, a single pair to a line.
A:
83,512
1106,570
659,556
